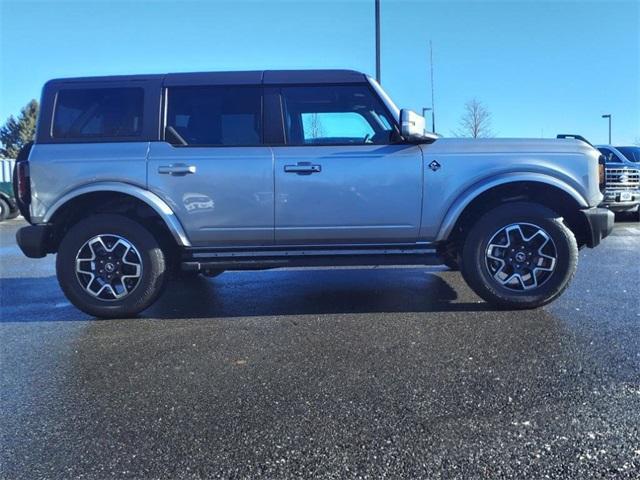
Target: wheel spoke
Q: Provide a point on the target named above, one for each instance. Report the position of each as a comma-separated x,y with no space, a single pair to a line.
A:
521,256
108,267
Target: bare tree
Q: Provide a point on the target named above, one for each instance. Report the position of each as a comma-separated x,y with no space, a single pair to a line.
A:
475,121
315,129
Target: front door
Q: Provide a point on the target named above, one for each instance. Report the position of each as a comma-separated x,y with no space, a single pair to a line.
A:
212,168
340,178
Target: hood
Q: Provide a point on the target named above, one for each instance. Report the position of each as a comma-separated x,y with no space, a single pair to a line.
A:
510,145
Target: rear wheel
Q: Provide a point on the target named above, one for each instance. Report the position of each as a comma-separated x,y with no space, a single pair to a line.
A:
519,255
110,266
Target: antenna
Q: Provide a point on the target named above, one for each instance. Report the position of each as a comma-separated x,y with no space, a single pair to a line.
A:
433,105
377,21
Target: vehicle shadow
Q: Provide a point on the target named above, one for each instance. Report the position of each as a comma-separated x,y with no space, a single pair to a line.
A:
264,293
316,292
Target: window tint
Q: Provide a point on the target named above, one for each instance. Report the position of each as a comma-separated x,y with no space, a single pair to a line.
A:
317,126
609,156
632,153
224,115
335,115
98,113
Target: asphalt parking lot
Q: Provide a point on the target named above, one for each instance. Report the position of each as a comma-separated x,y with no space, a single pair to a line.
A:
334,373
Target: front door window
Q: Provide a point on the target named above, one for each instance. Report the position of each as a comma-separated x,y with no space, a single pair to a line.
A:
335,115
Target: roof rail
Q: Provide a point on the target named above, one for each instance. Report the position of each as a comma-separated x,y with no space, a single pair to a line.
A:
573,135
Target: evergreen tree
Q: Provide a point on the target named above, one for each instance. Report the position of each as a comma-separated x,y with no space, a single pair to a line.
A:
16,132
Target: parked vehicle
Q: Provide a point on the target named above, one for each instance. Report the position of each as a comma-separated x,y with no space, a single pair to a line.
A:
622,193
132,177
8,207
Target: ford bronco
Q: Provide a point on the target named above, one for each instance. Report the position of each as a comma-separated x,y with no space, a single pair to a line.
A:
134,178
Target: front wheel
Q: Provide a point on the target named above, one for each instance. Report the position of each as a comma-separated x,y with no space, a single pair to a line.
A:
519,255
110,266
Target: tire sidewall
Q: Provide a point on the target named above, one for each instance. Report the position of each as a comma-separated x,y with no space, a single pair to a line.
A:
5,209
152,257
480,278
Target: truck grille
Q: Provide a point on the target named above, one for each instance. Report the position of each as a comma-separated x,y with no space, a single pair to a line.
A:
623,178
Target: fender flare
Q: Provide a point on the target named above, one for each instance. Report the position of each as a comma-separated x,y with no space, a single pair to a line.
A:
149,198
482,186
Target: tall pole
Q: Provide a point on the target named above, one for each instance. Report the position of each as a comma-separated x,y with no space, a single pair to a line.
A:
608,116
433,106
377,40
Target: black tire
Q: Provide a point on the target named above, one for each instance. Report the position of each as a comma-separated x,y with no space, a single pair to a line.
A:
475,265
148,252
13,214
5,210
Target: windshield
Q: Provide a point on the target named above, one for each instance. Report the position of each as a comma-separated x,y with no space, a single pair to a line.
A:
632,153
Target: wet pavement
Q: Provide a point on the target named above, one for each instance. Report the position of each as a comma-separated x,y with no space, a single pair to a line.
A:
327,373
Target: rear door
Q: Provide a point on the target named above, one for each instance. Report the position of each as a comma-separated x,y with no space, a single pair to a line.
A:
342,177
212,167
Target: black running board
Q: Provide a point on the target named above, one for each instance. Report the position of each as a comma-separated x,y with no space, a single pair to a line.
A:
200,259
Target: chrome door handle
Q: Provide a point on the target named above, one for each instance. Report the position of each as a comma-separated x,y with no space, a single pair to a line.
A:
303,168
177,169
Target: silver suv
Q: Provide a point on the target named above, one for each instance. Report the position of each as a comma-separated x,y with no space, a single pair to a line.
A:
132,179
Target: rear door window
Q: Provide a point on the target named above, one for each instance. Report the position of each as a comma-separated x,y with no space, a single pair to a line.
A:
199,116
98,113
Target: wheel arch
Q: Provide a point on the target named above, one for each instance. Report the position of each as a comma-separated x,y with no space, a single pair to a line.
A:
548,191
123,196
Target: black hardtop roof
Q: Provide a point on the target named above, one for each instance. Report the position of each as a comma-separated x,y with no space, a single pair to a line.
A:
256,77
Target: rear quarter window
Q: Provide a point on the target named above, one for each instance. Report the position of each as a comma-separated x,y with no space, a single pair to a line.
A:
95,113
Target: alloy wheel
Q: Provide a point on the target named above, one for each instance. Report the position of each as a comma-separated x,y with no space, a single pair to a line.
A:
108,267
521,256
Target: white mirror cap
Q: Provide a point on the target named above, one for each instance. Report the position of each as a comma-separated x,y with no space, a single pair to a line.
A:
412,124
431,135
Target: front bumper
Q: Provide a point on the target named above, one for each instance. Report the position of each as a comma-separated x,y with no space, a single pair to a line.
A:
613,200
621,206
600,224
33,240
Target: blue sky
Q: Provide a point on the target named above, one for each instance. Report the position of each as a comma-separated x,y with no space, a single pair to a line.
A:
541,67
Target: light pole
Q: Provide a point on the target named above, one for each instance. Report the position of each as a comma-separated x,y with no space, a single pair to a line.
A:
608,115
377,4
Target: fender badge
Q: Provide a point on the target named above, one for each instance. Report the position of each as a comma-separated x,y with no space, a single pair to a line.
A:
434,165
